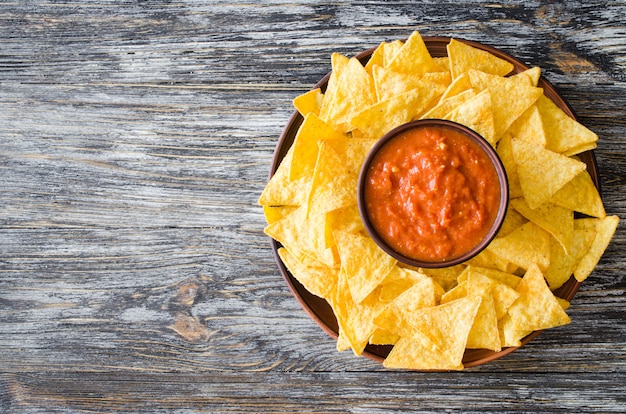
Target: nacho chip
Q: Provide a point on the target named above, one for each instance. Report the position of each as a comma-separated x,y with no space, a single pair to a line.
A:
364,263
536,308
528,245
562,132
419,353
274,213
581,195
309,102
377,58
510,97
477,114
319,280
542,172
306,234
605,229
413,57
354,90
333,183
529,127
444,107
459,84
280,190
556,220
562,262
504,149
391,50
389,83
464,57
355,320
376,120
306,145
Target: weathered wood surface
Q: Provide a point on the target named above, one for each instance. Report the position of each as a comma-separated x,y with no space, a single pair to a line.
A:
135,139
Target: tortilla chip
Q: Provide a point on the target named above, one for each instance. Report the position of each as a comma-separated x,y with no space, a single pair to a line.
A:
505,152
605,229
528,245
309,102
542,172
556,220
364,263
562,262
355,320
510,97
281,191
529,127
419,353
459,84
477,114
464,57
319,280
413,57
376,120
354,91
536,308
581,195
306,234
562,132
444,107
306,145
333,183
389,83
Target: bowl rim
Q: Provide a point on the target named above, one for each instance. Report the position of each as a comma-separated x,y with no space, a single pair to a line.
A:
487,149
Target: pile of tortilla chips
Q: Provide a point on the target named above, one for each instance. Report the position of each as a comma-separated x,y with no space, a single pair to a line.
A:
490,302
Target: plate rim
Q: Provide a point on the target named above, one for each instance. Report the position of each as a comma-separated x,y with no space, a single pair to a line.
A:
378,353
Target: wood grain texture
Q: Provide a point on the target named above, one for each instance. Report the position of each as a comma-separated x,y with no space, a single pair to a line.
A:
135,139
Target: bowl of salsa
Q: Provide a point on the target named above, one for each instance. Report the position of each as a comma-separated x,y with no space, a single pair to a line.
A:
432,193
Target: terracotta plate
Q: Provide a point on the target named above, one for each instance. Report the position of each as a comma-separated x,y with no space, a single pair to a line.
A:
318,309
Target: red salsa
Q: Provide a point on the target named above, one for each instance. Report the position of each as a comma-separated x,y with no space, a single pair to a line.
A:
432,193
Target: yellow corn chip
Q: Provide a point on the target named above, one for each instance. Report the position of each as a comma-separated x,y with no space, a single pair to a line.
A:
419,353
309,102
307,234
444,107
510,97
376,120
364,263
536,308
389,83
542,172
355,320
528,245
333,184
319,280
413,57
556,220
306,145
581,195
605,229
464,57
529,127
505,152
477,114
563,263
281,191
562,132
354,91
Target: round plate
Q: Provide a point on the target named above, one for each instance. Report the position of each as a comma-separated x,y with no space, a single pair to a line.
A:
318,309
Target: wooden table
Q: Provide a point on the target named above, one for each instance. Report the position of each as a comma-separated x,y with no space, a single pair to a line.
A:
135,139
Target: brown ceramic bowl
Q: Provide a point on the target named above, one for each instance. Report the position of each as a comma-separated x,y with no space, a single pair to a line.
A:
482,145
318,309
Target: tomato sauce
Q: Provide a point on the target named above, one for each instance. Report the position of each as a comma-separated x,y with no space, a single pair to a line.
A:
432,193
